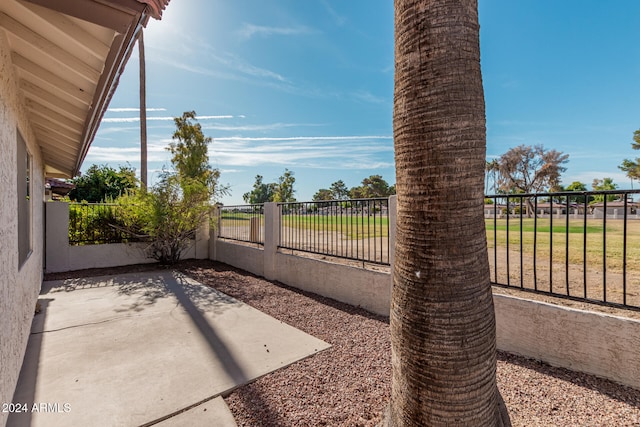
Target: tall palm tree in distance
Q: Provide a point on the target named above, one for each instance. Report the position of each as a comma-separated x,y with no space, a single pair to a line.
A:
442,316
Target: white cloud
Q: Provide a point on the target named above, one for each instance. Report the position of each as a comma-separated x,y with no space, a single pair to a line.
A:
306,138
151,119
320,152
253,128
249,30
155,153
337,18
104,130
230,153
368,97
228,66
132,109
235,68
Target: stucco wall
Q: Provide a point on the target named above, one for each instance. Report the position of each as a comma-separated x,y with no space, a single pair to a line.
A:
19,287
248,258
368,289
579,340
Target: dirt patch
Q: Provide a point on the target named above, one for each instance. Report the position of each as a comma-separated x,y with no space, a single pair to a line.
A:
572,280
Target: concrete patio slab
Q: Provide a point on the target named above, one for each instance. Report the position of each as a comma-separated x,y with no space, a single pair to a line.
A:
213,413
135,349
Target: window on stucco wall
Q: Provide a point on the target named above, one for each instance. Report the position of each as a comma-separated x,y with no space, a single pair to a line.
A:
24,200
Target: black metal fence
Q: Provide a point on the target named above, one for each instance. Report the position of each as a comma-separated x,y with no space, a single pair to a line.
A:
244,223
97,223
356,229
579,245
583,246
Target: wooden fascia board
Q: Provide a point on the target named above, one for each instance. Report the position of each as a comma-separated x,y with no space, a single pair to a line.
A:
113,14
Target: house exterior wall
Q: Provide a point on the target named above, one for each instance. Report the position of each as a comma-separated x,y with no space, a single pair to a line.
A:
19,286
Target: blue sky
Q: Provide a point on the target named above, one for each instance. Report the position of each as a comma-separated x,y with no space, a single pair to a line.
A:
308,86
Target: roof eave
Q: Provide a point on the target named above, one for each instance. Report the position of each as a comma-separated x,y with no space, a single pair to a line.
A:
125,18
109,79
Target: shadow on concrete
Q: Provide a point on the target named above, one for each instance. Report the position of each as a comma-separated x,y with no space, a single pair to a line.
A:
217,346
29,372
190,298
145,288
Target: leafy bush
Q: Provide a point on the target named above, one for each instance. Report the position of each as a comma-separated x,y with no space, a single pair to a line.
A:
96,223
168,215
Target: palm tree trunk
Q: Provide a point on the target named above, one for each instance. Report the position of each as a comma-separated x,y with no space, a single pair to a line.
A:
442,316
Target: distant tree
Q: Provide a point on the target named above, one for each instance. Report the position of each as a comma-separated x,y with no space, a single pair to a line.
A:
171,211
357,193
102,183
636,140
632,167
323,194
281,191
530,169
261,193
339,190
491,171
373,186
605,184
577,186
284,190
190,154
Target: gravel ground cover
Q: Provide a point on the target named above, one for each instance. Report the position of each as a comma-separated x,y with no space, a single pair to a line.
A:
349,384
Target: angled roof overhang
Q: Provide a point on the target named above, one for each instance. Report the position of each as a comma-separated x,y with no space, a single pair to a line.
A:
68,57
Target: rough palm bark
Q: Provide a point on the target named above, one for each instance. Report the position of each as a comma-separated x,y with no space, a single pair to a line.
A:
442,315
